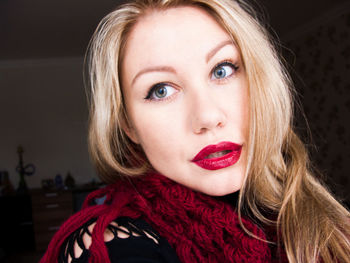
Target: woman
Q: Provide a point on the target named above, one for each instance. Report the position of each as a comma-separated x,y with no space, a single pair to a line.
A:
190,108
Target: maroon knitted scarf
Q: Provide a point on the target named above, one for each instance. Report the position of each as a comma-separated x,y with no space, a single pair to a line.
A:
200,228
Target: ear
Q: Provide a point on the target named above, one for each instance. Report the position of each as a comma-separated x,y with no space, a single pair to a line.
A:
129,130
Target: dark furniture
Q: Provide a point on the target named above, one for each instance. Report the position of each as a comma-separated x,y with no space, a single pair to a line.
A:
16,225
50,209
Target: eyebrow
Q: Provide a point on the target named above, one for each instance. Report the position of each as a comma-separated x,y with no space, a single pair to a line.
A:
154,69
217,48
172,70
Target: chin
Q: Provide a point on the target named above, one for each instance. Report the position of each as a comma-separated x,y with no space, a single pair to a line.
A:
223,183
219,189
221,192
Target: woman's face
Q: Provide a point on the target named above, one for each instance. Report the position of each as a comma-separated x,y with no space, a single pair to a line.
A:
187,101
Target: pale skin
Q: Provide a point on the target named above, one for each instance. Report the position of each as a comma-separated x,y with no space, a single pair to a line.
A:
200,106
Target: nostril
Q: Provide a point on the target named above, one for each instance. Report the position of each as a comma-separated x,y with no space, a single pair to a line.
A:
220,124
200,130
202,126
206,114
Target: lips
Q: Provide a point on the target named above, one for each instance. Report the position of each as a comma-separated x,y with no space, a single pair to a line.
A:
218,156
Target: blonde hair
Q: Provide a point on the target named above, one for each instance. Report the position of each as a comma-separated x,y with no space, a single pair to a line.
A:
311,222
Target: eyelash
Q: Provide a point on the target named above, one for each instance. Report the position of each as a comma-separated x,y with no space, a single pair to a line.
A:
235,67
153,89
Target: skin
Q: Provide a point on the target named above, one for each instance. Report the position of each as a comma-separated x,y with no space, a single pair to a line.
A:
205,103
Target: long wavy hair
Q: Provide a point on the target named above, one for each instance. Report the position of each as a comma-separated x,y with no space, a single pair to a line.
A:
311,224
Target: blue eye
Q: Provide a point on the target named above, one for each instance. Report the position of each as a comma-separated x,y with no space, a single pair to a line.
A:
160,91
223,70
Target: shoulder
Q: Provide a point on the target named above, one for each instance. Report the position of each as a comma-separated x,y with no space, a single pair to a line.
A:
127,240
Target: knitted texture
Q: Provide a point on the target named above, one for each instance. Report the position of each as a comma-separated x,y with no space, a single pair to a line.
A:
199,227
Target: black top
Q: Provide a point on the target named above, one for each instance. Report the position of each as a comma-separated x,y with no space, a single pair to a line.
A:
139,243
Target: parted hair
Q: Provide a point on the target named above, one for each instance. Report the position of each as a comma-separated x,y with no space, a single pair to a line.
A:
311,223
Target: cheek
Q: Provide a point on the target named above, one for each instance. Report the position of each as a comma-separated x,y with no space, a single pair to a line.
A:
243,117
236,107
243,108
245,113
159,134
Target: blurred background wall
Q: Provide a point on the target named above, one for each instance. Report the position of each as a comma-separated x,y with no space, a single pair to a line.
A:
321,73
43,105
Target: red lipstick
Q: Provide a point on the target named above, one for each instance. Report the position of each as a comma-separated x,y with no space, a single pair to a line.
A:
218,156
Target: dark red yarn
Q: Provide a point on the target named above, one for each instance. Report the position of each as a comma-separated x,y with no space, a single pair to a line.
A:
199,227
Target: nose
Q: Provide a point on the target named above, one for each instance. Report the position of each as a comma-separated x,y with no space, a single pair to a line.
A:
206,113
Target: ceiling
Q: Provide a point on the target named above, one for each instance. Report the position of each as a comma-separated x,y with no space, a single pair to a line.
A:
61,28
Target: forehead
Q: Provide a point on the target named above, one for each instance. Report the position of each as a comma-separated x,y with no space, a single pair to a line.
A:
167,35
